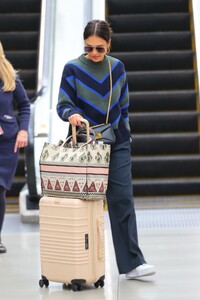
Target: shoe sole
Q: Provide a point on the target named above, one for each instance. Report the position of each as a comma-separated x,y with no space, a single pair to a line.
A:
141,275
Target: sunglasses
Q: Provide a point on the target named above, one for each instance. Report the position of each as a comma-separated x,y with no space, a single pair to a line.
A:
99,49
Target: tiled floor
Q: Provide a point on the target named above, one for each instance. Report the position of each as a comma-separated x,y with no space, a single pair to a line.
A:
169,238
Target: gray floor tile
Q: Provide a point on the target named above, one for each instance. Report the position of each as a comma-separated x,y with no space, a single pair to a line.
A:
169,239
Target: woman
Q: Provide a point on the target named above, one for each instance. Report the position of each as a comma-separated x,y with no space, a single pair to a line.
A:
84,93
12,135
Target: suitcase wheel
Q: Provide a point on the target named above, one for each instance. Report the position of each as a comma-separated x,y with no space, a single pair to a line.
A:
76,284
76,287
99,283
66,286
43,281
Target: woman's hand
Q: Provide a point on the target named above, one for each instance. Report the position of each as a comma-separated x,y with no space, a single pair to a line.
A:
21,140
75,120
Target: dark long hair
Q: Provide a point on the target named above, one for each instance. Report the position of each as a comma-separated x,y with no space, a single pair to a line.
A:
99,28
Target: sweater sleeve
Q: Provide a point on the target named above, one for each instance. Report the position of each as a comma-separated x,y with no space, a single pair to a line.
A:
23,105
124,101
67,98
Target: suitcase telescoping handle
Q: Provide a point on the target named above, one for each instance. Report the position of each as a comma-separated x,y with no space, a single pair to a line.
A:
87,125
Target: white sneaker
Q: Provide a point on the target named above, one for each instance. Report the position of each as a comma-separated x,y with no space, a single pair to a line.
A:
142,270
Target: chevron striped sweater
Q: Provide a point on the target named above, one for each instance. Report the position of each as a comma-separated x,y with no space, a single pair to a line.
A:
85,89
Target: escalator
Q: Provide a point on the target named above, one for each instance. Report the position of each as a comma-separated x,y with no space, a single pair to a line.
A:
155,40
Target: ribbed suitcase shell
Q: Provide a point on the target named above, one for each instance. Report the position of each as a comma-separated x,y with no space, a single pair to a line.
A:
72,241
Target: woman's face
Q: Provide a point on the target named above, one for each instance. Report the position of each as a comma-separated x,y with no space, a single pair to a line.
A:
96,48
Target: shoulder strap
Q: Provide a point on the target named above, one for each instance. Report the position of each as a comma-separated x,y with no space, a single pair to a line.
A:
110,96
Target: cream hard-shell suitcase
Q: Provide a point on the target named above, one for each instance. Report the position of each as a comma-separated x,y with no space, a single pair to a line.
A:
72,247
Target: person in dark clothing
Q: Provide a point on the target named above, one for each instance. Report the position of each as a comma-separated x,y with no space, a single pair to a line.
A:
84,93
13,136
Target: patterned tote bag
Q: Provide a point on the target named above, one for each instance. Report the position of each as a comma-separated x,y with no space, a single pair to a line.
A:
75,170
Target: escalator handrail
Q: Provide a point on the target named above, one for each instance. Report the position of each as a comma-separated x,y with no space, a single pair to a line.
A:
29,152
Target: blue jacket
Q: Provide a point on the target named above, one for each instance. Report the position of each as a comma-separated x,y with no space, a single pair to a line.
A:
8,121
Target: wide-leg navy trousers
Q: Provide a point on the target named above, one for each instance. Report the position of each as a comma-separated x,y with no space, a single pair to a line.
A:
121,209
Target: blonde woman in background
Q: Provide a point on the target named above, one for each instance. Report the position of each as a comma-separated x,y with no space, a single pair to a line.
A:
13,134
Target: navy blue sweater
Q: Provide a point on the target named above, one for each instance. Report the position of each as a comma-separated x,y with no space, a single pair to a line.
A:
7,116
85,89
